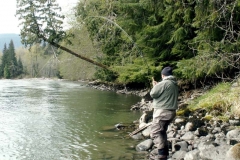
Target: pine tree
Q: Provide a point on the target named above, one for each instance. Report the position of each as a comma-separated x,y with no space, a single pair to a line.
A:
20,67
12,60
4,60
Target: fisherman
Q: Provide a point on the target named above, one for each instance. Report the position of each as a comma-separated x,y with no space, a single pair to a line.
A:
165,103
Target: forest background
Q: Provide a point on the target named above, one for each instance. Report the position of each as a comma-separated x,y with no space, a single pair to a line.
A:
135,39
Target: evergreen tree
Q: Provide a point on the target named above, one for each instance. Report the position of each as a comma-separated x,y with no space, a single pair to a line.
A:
42,21
20,67
12,60
6,72
4,60
9,66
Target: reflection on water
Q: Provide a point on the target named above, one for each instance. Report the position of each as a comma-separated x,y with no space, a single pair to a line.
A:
51,119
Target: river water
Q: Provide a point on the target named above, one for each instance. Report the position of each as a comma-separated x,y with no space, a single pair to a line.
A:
63,120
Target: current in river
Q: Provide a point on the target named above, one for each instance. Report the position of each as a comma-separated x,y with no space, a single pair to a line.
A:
63,120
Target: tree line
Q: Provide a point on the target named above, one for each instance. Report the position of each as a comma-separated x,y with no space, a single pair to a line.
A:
10,66
135,39
198,38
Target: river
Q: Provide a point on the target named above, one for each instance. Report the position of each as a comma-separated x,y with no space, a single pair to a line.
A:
63,120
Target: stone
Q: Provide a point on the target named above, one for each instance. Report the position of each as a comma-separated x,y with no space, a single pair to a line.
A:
179,155
192,155
181,146
234,122
146,132
233,135
202,131
145,145
138,136
171,134
234,152
188,136
189,126
214,153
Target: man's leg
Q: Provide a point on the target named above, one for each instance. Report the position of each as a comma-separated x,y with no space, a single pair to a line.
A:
161,120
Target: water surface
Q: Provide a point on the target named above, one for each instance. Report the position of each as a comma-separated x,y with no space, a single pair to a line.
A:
62,120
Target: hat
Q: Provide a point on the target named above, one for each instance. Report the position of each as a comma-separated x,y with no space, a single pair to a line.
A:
167,71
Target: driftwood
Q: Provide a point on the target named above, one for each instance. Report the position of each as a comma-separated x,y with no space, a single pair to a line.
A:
139,129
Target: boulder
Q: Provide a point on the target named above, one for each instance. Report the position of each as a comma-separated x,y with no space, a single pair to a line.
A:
192,155
145,145
234,152
188,136
146,132
214,153
179,155
233,135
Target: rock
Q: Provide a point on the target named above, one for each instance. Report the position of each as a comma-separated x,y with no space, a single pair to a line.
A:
214,153
233,135
206,146
234,152
234,122
146,116
202,131
171,134
192,155
188,136
189,126
138,136
145,145
142,125
146,132
179,155
181,146
216,130
119,126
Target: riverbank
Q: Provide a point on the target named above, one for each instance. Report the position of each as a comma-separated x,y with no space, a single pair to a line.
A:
194,134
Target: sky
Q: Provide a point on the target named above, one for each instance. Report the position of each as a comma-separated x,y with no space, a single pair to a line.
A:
9,23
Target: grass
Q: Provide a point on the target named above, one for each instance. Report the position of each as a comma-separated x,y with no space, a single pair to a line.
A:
224,97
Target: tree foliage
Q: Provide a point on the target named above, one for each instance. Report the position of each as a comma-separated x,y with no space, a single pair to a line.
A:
10,67
197,38
41,22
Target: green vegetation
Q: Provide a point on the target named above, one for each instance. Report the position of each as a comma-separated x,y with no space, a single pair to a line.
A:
199,39
10,67
223,98
132,40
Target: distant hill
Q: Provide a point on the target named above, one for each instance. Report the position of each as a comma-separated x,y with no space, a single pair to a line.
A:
6,38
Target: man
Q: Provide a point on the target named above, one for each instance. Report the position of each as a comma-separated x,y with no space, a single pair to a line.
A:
165,103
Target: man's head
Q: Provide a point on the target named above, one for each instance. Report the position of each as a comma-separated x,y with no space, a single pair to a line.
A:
167,71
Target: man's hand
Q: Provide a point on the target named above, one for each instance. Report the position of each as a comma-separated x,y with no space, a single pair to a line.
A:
154,82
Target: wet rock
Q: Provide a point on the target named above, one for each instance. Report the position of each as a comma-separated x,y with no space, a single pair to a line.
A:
120,126
138,136
145,145
234,152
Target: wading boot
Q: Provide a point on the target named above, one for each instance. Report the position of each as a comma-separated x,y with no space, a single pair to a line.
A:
160,154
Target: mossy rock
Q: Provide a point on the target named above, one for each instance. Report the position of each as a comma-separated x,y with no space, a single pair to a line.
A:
184,112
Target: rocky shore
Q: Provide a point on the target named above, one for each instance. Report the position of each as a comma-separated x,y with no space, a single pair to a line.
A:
191,136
